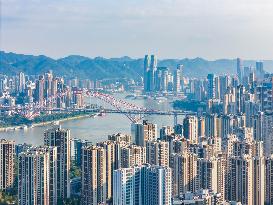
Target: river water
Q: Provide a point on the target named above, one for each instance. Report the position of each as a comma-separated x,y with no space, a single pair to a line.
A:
96,129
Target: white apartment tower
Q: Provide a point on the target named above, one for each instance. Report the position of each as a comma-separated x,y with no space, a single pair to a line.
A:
146,184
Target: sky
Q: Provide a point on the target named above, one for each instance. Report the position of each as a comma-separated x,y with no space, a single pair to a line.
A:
210,29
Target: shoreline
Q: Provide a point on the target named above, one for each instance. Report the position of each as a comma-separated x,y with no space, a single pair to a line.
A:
42,124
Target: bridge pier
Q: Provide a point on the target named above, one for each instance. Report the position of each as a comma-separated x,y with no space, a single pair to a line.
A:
175,119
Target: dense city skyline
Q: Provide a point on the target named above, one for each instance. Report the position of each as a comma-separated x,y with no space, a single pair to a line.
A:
209,29
219,153
113,102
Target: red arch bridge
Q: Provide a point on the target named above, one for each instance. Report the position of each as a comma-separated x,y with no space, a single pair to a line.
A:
133,112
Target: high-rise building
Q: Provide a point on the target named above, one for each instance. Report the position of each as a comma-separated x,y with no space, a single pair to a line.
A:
37,171
240,69
257,121
211,86
224,84
190,128
22,82
144,184
76,150
269,181
146,69
110,161
177,78
184,172
48,84
157,153
260,70
94,188
144,132
212,126
127,186
268,134
240,101
61,139
259,177
132,155
165,131
207,174
39,90
241,180
217,88
150,66
7,157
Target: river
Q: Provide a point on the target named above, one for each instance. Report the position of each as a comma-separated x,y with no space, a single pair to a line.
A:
96,129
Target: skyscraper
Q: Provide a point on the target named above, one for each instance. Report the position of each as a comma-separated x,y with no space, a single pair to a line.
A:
127,186
184,172
240,69
259,178
132,155
146,184
269,180
7,154
37,176
267,136
39,90
48,84
146,69
142,132
190,128
22,82
110,161
177,78
211,86
157,153
93,176
241,180
260,70
150,66
61,139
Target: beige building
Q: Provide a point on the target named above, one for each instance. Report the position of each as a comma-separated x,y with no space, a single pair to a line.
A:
94,182
61,139
157,153
133,155
120,137
110,161
7,154
141,133
184,172
190,129
37,176
241,180
259,180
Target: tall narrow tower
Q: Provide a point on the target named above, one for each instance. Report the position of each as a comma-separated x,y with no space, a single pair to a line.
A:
240,69
61,139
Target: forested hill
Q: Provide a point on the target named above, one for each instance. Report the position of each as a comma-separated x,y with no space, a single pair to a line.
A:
102,68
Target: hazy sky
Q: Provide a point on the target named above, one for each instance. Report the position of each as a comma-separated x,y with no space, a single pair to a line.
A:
111,28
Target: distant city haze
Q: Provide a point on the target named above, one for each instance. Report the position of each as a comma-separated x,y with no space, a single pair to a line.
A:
211,29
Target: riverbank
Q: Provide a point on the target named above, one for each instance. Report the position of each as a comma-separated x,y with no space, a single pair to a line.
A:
42,124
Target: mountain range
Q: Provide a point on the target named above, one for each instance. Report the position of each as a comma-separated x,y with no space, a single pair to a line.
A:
102,68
